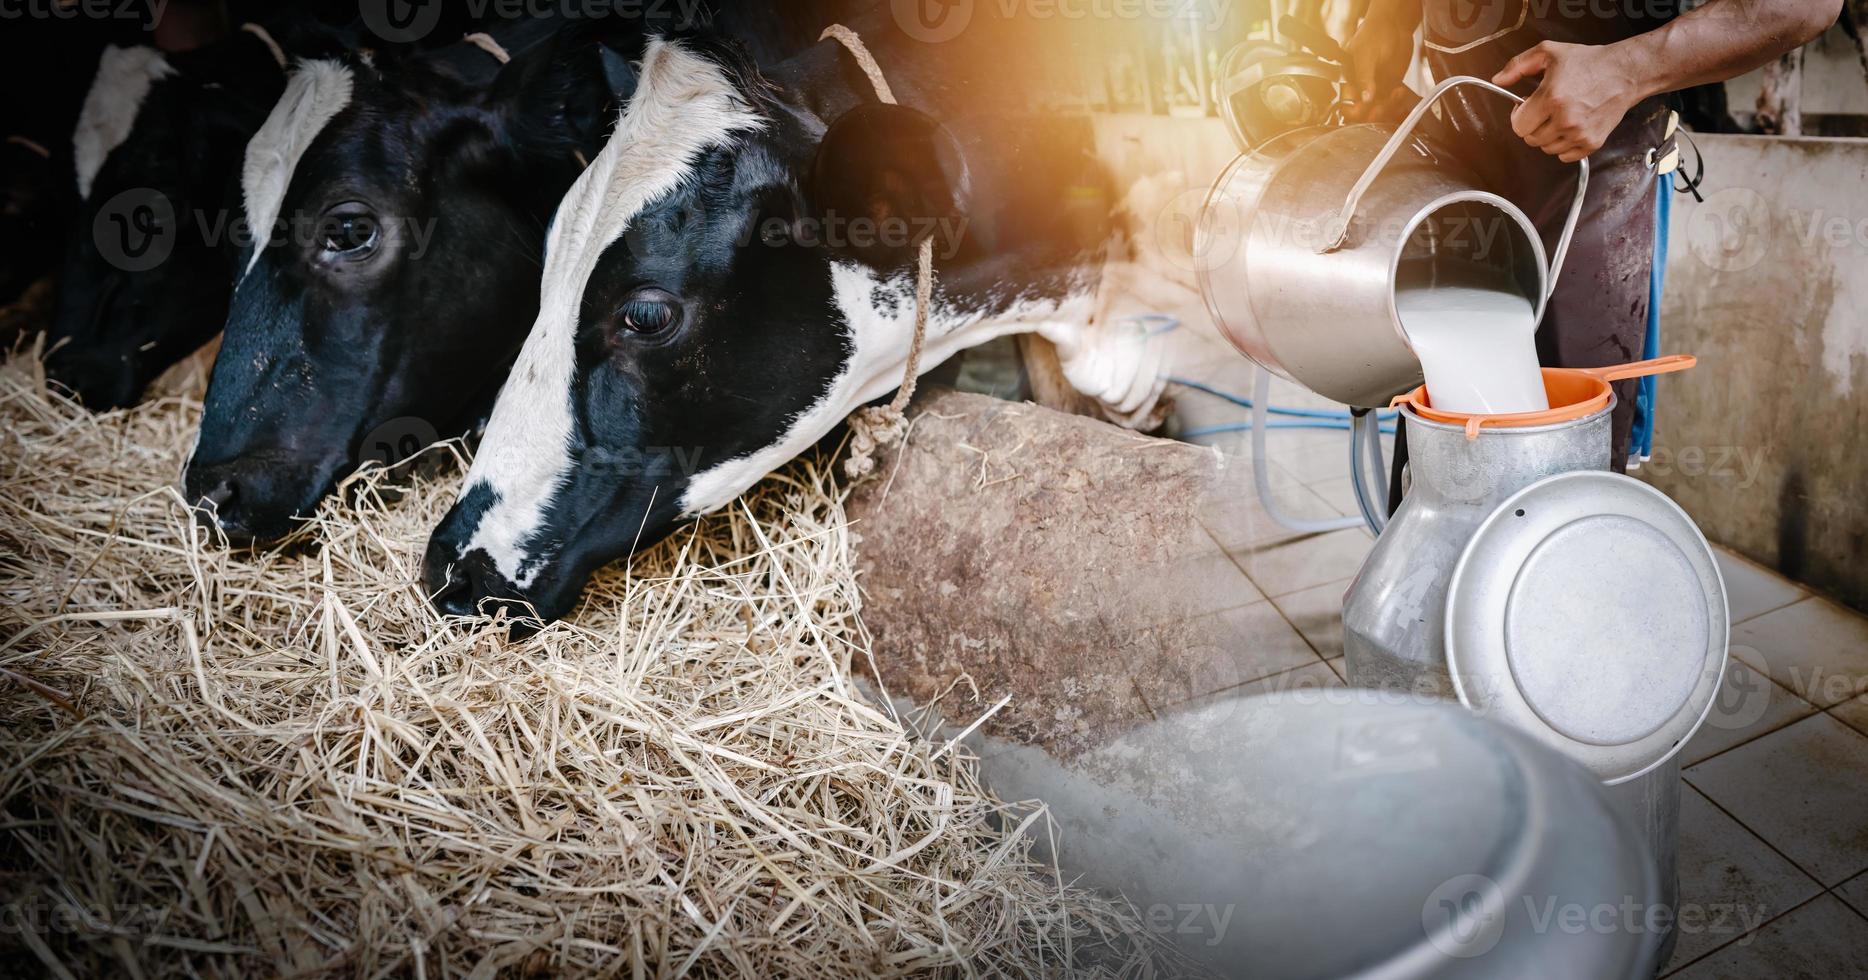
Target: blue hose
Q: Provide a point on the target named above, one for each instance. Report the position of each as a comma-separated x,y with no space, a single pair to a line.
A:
1244,402
1214,430
1641,441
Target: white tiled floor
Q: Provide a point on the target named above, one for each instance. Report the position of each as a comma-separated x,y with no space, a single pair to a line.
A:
1774,829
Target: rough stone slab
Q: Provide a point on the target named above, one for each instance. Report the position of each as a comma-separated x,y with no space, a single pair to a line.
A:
1069,563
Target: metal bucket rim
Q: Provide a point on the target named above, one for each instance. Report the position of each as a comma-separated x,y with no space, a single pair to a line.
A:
1415,418
1542,297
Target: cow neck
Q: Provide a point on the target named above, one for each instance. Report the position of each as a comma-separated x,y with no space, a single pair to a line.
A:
873,428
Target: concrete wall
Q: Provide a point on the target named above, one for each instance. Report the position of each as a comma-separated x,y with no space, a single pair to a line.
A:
1767,281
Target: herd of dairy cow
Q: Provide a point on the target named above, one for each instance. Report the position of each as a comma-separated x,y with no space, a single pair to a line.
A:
645,252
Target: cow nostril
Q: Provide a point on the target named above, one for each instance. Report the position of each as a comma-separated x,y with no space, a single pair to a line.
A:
218,507
455,595
470,586
217,498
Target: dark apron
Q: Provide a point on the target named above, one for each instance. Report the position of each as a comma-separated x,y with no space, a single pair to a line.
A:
1598,314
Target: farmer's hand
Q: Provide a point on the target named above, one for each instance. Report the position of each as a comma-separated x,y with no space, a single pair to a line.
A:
1585,92
1379,53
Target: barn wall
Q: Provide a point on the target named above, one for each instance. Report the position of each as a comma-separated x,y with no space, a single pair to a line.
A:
1833,81
1768,283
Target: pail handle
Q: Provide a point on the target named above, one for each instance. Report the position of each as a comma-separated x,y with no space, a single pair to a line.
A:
1406,131
1642,369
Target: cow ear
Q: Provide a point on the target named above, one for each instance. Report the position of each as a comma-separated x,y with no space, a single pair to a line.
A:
564,96
885,178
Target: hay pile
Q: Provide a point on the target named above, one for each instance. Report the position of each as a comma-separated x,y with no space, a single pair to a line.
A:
229,764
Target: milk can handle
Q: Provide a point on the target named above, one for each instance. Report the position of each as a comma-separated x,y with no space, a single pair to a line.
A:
1406,131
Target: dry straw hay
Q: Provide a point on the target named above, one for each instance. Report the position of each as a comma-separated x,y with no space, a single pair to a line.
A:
231,764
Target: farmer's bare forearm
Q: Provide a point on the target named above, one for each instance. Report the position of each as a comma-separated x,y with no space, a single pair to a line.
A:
1723,39
1402,15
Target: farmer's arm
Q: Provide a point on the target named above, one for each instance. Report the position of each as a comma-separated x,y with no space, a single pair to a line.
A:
1586,89
1379,53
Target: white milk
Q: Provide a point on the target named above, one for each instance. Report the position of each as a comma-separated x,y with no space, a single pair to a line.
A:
1477,347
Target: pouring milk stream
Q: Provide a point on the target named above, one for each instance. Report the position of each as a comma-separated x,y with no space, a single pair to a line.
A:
1477,347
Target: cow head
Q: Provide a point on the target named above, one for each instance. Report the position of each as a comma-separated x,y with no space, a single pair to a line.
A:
726,283
145,276
402,206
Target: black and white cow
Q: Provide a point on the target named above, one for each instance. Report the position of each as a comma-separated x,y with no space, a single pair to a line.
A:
148,264
426,185
732,277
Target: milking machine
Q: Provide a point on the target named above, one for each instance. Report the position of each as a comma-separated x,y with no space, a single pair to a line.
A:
1520,575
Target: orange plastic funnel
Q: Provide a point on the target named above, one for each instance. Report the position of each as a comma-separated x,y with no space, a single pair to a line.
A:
1573,394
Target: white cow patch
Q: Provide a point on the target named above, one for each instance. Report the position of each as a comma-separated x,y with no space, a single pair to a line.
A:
315,93
124,77
683,106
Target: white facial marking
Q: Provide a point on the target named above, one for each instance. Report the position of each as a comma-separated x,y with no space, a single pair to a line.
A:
880,318
124,77
314,93
683,106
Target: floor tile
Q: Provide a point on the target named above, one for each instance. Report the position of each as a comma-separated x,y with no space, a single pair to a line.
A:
1853,713
1341,671
1234,517
1823,940
1801,788
1318,615
1751,589
1730,881
1855,892
1308,681
1749,705
1339,494
1312,456
1191,586
1236,646
1292,565
1814,647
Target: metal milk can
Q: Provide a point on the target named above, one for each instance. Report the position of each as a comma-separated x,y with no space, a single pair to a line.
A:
1582,607
1305,239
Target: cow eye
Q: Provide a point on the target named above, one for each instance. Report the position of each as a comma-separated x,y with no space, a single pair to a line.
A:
649,311
350,234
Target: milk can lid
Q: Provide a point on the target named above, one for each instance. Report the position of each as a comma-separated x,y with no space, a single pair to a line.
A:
1588,612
